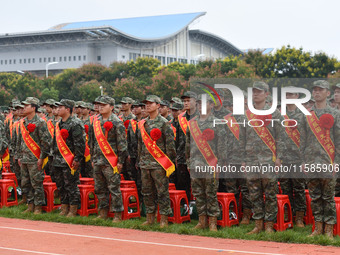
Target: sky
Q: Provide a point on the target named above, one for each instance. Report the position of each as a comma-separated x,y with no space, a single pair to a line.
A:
313,25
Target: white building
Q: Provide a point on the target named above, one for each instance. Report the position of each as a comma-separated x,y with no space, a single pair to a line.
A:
167,38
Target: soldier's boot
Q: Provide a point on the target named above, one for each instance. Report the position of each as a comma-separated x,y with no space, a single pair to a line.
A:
64,209
29,209
164,221
329,231
318,229
213,224
202,222
23,200
150,219
246,217
117,218
258,227
103,213
37,209
269,227
73,211
299,219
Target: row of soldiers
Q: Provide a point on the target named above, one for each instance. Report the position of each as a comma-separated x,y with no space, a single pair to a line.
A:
151,148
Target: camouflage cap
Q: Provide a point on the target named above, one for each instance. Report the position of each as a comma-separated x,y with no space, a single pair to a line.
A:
66,102
106,100
177,106
78,103
336,86
189,94
152,99
321,84
49,101
83,105
19,105
41,110
96,101
137,103
31,100
175,100
165,103
127,100
260,85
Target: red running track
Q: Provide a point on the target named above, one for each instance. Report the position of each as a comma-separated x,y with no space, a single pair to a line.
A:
39,237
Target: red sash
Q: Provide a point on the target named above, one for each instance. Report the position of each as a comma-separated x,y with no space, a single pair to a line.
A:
30,143
202,144
134,125
323,136
263,133
183,122
174,130
5,157
235,128
87,154
64,150
293,134
104,146
155,151
121,117
50,128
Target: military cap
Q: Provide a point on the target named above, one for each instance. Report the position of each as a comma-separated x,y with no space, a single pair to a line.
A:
106,100
31,100
19,105
82,105
165,103
175,100
127,100
66,102
177,106
41,110
336,86
321,84
189,94
260,85
96,101
78,103
152,99
118,106
49,102
137,103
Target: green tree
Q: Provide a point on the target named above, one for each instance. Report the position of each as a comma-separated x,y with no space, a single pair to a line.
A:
89,90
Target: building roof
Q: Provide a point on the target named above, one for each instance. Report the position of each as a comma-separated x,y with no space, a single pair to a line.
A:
141,28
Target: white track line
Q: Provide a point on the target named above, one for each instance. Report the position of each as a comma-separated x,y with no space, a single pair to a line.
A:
27,251
139,242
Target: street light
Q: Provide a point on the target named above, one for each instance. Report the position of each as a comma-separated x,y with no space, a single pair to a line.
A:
47,65
101,90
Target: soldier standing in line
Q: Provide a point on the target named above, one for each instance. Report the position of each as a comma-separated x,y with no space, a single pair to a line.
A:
68,150
86,165
205,147
292,184
164,110
320,145
107,131
33,145
263,147
156,157
4,143
126,109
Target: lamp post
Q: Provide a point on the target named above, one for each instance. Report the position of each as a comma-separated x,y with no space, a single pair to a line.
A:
101,90
47,65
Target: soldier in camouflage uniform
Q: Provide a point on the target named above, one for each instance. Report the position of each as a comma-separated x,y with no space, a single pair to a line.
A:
86,165
155,182
292,158
164,110
321,189
257,153
205,184
3,144
66,179
107,178
31,166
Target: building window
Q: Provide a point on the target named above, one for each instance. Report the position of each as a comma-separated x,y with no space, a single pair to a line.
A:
5,61
20,61
53,59
33,60
69,58
44,60
40,60
65,59
1,62
10,61
49,59
14,61
99,58
29,61
79,58
60,59
24,60
74,58
84,58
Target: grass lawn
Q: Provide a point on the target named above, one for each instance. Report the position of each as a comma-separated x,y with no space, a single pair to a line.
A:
294,235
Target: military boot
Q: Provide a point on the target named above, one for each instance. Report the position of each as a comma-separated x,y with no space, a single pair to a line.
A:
73,211
246,217
202,222
64,209
164,221
258,227
117,218
299,219
269,227
103,213
318,229
150,219
329,231
29,209
23,200
213,224
37,209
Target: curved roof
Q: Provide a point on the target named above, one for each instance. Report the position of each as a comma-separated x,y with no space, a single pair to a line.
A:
142,28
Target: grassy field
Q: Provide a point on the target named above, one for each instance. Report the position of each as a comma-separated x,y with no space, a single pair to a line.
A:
237,232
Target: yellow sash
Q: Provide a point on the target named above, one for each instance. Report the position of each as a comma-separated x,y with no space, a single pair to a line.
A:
155,151
293,134
235,128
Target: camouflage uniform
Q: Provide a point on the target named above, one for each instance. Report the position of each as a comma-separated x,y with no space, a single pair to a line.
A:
106,181
86,167
155,183
32,177
204,185
3,143
292,158
16,168
66,182
321,190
